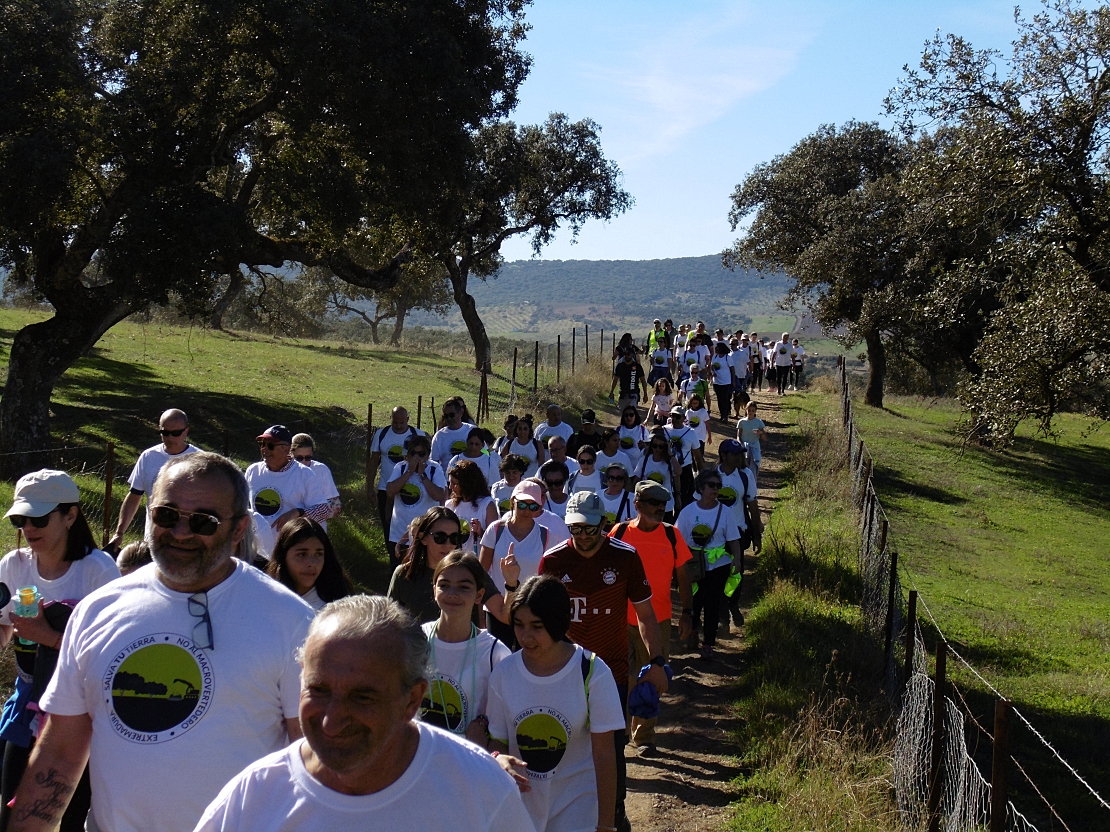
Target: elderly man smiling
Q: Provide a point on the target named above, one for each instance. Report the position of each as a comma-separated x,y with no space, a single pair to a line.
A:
364,763
281,488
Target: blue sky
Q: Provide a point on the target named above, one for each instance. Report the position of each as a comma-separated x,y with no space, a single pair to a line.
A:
692,95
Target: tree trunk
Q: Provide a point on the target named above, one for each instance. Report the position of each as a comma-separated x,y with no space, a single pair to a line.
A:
373,324
234,287
471,318
40,354
398,326
876,369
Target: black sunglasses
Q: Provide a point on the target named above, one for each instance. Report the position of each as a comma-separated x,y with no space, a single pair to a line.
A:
580,528
303,458
528,506
456,538
420,454
177,432
19,521
651,501
589,461
271,445
200,522
716,485
615,477
554,483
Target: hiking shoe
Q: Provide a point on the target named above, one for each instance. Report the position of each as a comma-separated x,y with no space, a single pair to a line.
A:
708,653
649,750
737,618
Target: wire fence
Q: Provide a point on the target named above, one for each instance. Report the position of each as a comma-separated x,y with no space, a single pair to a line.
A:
937,782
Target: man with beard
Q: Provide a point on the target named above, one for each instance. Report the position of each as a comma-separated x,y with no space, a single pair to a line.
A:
364,763
174,678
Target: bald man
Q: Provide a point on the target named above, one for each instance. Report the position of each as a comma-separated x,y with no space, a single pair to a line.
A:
173,426
387,448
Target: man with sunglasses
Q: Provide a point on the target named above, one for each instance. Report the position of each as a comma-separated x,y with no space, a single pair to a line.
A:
590,434
450,439
603,576
173,426
387,449
281,488
174,678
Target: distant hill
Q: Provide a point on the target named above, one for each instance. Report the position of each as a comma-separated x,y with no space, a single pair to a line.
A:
545,297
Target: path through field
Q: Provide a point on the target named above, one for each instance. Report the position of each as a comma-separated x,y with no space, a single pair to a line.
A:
686,786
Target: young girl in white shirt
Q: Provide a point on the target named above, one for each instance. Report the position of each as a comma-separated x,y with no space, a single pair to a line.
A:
661,403
304,560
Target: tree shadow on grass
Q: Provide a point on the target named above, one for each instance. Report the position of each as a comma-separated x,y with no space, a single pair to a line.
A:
1080,473
887,482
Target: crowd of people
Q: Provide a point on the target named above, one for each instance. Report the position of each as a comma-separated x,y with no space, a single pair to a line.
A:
521,646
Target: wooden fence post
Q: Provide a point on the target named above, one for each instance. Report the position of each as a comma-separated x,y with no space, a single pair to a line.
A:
1000,764
536,370
558,359
109,476
911,634
587,343
512,392
573,346
432,414
419,411
369,452
601,344
893,586
936,762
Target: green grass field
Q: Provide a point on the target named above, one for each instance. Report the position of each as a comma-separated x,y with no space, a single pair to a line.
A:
1009,551
241,383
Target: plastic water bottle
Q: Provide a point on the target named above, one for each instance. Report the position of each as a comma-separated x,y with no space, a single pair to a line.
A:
27,605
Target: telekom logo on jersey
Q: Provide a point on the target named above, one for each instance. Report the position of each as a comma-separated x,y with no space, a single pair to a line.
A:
578,609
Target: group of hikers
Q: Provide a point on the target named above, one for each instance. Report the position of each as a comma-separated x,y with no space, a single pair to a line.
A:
521,646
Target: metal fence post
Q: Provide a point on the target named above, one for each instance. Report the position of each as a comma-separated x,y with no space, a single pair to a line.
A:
109,475
887,655
369,451
936,763
911,634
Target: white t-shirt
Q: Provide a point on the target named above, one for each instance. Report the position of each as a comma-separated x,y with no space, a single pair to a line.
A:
413,499
488,463
467,511
547,721
19,568
545,431
146,470
604,461
559,509
391,446
502,494
721,367
660,358
696,355
572,464
275,492
529,452
172,723
782,354
663,403
585,482
265,533
797,353
612,506
327,482
450,786
313,599
447,443
736,489
742,361
631,437
659,472
528,551
696,525
557,531
697,420
683,441
458,688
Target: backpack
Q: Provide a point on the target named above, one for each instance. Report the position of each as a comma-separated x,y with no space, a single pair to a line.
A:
501,524
668,529
381,434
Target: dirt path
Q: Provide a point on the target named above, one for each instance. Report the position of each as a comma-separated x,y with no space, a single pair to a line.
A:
687,787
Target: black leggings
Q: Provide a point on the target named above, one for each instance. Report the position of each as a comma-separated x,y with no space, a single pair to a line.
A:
708,598
757,378
15,763
782,376
724,400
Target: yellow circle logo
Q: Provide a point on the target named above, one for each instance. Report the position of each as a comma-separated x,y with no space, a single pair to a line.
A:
267,502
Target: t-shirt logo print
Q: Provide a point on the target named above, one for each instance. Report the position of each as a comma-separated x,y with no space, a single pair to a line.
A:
410,494
542,736
608,577
395,453
444,704
157,688
267,502
701,534
727,496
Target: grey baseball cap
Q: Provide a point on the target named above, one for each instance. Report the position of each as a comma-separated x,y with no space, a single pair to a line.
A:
584,507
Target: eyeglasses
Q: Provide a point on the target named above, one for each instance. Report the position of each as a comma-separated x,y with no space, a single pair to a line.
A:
456,538
177,432
629,413
657,447
19,521
589,461
200,522
419,454
306,458
652,501
271,445
554,483
579,528
714,485
198,608
528,506
615,477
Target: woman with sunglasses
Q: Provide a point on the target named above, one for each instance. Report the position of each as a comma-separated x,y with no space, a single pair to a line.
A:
659,466
697,417
526,445
587,477
462,655
477,451
62,561
470,499
521,536
432,537
416,485
633,435
616,499
710,529
305,562
501,444
555,475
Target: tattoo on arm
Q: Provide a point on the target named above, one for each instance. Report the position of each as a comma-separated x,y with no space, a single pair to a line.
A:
50,797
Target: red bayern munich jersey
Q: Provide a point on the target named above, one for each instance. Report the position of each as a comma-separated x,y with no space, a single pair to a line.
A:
600,588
